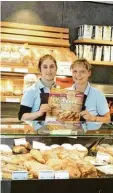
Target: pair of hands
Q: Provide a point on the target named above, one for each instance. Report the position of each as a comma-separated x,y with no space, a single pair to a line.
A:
44,108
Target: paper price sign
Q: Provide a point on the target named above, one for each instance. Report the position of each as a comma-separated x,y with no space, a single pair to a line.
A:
21,141
61,175
19,175
0,175
5,69
3,126
23,70
102,157
64,68
14,100
17,126
38,145
46,174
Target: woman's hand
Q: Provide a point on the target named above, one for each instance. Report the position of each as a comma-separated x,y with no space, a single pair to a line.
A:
87,116
43,109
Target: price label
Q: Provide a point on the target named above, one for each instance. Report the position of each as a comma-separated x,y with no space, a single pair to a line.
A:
14,100
64,69
61,132
17,126
3,126
19,175
23,70
21,141
5,148
61,175
46,174
38,145
0,175
5,69
102,157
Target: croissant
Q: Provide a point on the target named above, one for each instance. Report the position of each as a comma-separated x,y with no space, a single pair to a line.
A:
37,155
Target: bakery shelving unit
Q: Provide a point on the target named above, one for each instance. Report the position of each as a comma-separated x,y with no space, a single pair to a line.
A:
96,42
54,39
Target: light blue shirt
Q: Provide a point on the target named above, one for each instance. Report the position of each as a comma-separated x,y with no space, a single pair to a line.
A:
31,98
96,104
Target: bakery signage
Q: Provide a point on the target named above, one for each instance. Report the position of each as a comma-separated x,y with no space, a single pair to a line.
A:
46,174
21,141
13,100
5,69
102,157
64,69
23,70
38,145
61,175
19,175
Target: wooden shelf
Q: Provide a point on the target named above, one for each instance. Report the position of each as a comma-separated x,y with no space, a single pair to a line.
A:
9,99
101,63
93,41
18,69
9,128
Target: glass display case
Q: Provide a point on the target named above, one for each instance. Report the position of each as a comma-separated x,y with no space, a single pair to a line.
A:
75,161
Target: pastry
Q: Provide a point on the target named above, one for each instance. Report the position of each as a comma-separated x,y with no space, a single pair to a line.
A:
66,146
55,164
82,151
27,145
72,168
90,159
19,149
87,170
37,155
54,146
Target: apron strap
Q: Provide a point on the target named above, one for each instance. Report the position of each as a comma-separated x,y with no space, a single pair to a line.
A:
83,108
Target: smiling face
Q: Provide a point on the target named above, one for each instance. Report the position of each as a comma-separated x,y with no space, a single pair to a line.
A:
48,69
80,75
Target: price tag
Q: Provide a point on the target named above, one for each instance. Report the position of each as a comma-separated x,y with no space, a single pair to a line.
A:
61,132
17,126
0,175
5,69
38,145
5,148
14,100
61,175
23,70
102,157
3,126
46,174
19,175
64,69
21,141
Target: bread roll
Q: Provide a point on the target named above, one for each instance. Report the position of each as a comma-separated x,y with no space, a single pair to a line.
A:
19,149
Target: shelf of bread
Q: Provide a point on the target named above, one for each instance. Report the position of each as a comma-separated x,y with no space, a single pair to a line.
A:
11,99
16,58
18,69
18,129
36,156
93,41
11,88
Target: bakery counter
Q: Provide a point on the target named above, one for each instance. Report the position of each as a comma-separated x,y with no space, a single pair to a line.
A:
103,185
71,154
